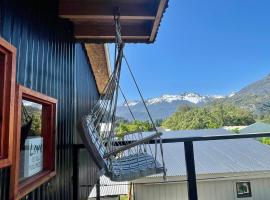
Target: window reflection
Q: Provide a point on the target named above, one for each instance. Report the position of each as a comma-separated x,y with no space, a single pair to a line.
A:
31,148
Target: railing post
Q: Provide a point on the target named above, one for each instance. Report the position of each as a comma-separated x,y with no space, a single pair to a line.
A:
191,173
98,189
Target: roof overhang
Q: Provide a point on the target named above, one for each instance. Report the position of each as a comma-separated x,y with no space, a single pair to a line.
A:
155,179
98,55
94,19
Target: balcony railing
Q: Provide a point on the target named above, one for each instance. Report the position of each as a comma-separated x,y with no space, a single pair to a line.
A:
189,154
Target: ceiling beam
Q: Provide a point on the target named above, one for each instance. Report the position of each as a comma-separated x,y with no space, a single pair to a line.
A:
160,11
106,17
109,31
111,39
105,9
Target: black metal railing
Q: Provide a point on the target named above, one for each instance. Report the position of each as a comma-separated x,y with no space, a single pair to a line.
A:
189,154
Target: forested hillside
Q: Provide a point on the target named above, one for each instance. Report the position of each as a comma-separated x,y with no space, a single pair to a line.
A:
215,115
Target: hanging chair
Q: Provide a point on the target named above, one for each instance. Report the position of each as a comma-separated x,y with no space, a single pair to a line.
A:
127,158
27,121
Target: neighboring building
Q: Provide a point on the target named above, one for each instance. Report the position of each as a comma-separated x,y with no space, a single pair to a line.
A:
226,170
110,190
258,127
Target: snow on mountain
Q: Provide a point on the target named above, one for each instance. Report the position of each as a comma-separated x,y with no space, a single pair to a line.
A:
190,97
163,106
232,94
217,96
131,103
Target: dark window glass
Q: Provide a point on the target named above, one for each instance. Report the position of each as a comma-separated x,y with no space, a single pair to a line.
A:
243,189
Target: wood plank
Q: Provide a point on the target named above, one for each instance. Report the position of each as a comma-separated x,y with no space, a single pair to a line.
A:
158,19
82,31
105,8
111,39
106,17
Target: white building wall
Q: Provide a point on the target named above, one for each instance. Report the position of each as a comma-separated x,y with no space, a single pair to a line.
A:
210,190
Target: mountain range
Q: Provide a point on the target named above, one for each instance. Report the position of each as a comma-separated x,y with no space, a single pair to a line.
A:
255,97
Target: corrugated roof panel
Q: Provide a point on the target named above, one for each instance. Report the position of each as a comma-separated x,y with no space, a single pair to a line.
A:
256,127
212,157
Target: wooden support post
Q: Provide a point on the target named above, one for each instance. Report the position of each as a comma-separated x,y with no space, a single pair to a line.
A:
191,173
98,189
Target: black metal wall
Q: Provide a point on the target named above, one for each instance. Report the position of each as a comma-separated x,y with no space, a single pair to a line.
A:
86,97
48,61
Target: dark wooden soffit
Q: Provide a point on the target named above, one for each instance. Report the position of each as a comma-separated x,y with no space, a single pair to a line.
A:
100,62
93,19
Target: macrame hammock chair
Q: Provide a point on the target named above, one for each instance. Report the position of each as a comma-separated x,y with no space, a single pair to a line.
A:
128,158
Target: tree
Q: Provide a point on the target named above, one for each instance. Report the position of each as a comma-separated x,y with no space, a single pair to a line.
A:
132,127
211,116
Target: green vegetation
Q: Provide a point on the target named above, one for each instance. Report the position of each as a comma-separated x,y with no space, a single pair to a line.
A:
132,127
235,130
35,114
265,140
124,197
211,116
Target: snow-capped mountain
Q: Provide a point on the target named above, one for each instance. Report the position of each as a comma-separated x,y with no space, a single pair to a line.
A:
163,106
254,97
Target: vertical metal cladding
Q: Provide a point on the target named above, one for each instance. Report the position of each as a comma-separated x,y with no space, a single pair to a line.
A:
46,63
87,170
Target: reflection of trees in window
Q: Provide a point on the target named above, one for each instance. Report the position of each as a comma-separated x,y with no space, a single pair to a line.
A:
31,120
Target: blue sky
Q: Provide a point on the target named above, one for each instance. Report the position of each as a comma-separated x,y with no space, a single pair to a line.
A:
209,47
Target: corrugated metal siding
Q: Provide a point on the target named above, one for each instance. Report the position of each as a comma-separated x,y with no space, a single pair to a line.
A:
86,97
46,63
88,174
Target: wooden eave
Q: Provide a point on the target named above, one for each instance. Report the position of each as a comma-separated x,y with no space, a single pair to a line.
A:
100,62
94,19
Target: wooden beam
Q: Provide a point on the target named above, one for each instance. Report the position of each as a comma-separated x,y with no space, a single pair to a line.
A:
109,31
105,8
106,17
111,39
159,14
101,40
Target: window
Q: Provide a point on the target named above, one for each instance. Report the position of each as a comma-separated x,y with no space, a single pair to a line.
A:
35,141
243,189
7,90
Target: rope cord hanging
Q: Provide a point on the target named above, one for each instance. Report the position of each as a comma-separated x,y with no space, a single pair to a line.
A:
121,159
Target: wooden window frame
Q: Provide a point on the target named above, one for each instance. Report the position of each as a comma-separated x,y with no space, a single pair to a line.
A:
19,189
7,87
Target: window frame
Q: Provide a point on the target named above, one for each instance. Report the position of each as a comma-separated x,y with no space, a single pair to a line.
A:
19,189
7,102
245,195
